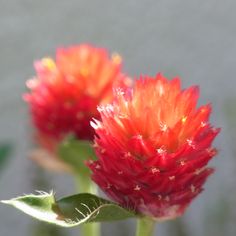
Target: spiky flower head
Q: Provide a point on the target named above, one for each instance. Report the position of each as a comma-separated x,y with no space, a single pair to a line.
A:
65,93
153,145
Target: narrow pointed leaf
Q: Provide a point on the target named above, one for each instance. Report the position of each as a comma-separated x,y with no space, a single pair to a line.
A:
75,152
70,211
5,150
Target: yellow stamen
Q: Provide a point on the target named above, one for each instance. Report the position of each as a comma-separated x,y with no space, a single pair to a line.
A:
49,63
116,58
184,119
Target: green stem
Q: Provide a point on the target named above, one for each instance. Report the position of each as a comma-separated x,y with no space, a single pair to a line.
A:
85,185
145,226
90,229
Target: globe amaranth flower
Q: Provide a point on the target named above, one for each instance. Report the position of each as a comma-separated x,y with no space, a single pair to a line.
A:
65,93
153,146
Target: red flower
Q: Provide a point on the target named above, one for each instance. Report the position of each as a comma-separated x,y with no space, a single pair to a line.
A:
153,146
65,93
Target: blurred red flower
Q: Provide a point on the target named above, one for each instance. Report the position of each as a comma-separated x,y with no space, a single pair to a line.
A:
65,93
153,146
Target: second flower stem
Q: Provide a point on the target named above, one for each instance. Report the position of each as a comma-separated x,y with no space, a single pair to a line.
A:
85,185
145,226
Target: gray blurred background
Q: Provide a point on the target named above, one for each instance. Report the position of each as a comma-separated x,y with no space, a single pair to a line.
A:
195,40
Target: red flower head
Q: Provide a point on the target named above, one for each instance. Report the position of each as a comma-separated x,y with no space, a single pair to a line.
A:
153,146
65,93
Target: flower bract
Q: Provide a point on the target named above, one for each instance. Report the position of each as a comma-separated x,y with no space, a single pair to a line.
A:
153,144
65,92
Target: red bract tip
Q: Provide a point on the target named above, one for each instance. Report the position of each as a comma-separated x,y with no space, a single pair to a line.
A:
65,93
153,146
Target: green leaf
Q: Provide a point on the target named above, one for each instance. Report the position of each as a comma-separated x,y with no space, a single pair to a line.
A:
5,150
75,152
70,211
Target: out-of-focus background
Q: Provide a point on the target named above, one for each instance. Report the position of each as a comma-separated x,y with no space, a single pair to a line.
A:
195,40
